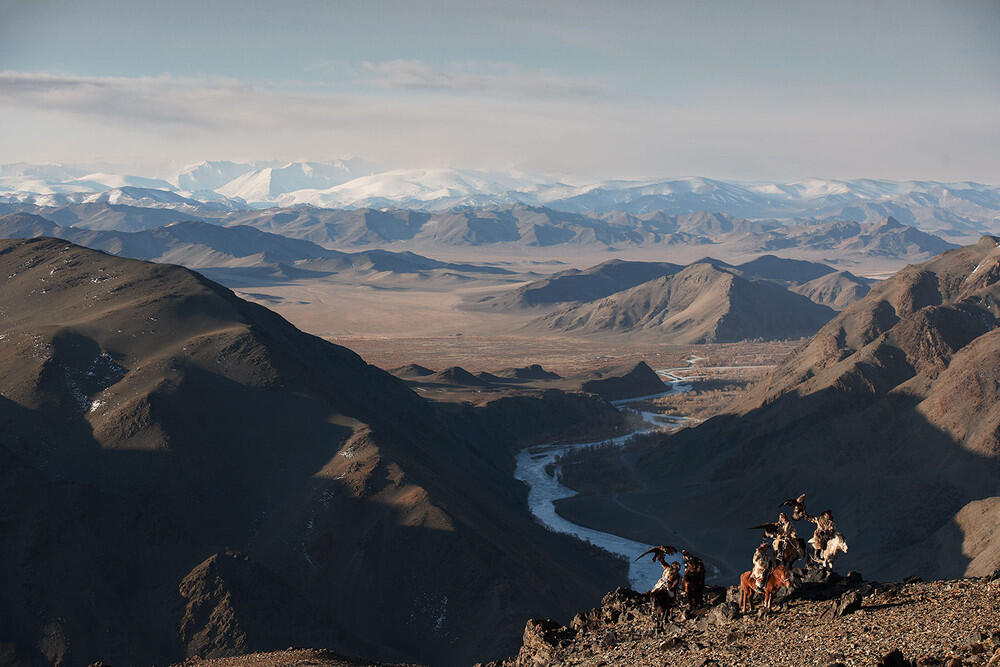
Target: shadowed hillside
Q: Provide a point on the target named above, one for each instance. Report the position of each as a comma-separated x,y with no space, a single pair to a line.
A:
151,419
888,415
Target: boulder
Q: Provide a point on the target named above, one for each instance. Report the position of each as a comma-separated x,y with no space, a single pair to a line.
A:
723,613
895,659
849,603
541,638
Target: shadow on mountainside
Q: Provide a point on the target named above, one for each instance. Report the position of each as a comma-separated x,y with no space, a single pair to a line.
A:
894,481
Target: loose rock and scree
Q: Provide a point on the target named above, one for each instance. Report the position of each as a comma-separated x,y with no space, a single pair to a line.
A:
845,621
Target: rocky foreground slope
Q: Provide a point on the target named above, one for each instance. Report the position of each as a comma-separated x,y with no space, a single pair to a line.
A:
848,622
842,623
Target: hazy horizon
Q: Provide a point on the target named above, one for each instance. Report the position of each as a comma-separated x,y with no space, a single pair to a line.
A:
773,91
169,172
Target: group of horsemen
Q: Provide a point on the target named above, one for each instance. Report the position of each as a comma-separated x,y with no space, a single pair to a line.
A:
781,546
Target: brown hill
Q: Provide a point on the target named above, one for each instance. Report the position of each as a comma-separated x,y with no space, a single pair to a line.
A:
411,371
150,417
626,381
887,415
456,375
575,285
836,290
706,302
531,372
783,270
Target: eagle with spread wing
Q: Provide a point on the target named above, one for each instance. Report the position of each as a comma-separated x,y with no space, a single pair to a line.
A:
660,553
771,530
798,506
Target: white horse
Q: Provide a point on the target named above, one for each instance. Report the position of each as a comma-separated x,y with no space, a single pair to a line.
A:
834,545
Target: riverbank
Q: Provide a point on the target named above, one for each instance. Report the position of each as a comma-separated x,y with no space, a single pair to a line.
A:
538,468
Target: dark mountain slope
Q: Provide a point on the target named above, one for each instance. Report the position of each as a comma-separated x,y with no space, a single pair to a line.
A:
817,282
208,422
624,382
783,270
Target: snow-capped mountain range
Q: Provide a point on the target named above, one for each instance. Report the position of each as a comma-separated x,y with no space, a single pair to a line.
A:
957,208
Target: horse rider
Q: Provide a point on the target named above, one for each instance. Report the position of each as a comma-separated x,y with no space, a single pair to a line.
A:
784,535
825,529
694,578
763,563
669,580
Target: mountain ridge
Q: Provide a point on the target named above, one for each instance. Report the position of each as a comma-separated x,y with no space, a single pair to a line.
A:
957,207
228,252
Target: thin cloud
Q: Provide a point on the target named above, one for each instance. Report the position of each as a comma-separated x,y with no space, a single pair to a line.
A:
63,118
479,78
159,100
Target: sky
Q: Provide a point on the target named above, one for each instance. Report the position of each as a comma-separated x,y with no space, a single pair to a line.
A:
745,90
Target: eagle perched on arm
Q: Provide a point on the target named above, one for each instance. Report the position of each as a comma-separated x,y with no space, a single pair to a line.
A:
798,506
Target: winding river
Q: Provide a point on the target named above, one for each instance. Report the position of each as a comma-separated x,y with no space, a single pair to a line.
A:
545,489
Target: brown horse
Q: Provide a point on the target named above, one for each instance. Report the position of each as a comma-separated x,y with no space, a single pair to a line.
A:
779,577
